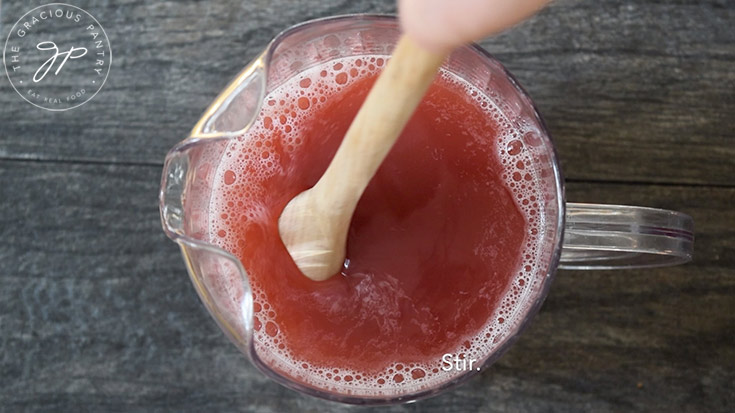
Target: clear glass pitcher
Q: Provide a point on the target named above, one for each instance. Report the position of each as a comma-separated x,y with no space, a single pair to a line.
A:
576,236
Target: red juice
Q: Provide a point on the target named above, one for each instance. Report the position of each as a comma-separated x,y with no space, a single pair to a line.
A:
441,250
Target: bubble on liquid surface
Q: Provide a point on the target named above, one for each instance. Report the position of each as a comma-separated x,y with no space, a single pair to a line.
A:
289,105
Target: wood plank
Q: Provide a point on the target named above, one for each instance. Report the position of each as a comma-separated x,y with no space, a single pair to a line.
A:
97,314
638,92
170,60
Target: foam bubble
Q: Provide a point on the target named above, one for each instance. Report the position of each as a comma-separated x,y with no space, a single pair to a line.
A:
304,94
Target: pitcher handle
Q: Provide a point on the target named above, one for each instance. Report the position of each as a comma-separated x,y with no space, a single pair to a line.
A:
602,237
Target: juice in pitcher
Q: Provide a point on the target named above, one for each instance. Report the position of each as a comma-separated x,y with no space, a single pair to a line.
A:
442,251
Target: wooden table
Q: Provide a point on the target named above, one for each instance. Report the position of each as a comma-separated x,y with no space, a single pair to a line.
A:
97,313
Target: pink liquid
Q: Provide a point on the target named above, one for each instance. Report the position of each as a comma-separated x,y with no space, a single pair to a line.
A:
441,251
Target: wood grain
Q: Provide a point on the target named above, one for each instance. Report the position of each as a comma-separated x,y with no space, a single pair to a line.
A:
170,60
613,79
98,314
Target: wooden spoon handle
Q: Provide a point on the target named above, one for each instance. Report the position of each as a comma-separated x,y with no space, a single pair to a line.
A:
382,117
314,225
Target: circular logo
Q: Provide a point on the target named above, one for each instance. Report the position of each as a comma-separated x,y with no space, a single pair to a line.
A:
57,56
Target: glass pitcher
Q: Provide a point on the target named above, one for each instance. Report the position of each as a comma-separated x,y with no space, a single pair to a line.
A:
575,236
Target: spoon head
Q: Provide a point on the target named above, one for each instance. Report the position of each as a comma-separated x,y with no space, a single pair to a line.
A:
313,237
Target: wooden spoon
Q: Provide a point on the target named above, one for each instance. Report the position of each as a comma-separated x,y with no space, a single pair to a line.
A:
314,225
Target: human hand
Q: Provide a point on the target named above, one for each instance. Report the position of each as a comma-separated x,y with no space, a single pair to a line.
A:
440,25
